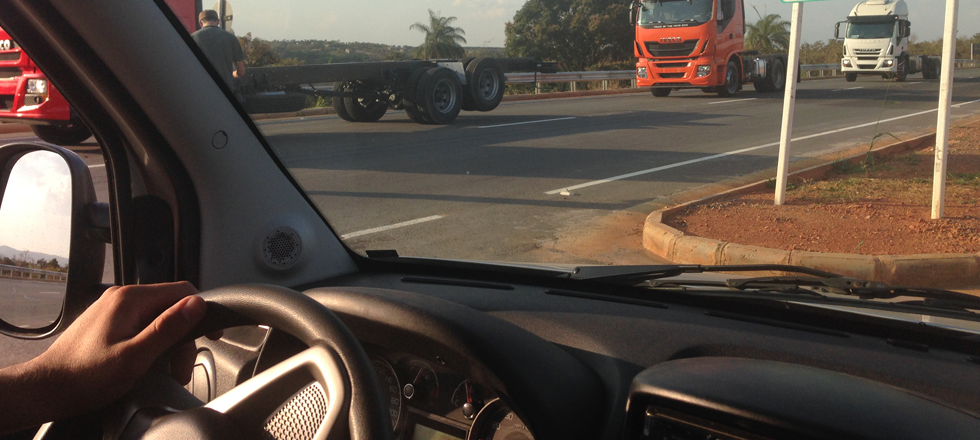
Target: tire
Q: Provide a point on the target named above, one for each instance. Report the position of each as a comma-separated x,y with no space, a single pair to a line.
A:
338,102
485,83
776,78
466,62
440,95
903,70
851,77
732,81
72,133
660,93
409,99
365,109
761,86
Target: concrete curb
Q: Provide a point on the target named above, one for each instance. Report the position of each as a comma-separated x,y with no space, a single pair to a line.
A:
939,270
14,127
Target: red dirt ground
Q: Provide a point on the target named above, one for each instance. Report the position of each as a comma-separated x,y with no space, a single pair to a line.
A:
882,208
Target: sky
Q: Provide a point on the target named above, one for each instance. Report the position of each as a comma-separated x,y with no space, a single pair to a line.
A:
35,212
387,21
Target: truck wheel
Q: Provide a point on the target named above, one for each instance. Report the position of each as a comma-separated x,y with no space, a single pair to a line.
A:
776,81
485,83
338,102
903,70
440,95
660,93
851,77
72,133
732,81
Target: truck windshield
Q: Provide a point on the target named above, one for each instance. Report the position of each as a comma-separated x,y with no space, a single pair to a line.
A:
675,12
868,31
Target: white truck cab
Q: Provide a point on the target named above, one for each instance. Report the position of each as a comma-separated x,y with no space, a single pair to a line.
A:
876,42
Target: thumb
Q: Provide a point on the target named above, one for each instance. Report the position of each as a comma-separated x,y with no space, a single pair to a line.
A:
168,328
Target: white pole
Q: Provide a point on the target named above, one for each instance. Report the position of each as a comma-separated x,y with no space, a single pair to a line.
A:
945,100
789,103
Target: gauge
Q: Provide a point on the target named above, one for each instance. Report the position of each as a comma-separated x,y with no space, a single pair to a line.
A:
498,422
423,383
390,387
468,397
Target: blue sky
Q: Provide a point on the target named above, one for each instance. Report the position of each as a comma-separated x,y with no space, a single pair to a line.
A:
387,21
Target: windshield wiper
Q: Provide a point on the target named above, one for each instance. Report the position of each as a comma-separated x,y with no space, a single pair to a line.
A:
862,289
632,275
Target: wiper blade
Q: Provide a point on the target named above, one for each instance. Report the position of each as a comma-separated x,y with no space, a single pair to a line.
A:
633,275
863,289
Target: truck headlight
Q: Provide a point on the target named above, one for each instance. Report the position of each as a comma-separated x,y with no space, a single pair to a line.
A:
846,63
37,86
889,63
704,71
641,72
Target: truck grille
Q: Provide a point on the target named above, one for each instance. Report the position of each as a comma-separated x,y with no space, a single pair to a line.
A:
9,56
672,75
673,65
874,52
866,66
9,72
672,49
867,58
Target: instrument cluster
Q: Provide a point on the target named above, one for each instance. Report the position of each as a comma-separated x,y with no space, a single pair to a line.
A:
428,401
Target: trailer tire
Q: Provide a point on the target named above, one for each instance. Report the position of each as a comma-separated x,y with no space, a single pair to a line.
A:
732,81
485,83
72,133
850,77
660,93
776,82
338,102
440,96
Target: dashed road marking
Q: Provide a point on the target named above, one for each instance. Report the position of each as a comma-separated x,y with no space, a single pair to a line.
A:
390,227
526,122
732,100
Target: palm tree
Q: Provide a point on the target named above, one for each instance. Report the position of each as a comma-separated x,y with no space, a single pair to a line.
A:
442,40
768,35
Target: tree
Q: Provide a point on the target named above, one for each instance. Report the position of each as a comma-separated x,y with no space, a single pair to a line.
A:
579,34
41,263
260,53
442,40
770,34
54,264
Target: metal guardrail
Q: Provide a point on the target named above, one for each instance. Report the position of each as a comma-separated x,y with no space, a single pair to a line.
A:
26,272
621,75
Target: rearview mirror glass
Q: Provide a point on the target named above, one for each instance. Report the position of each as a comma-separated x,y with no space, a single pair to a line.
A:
35,233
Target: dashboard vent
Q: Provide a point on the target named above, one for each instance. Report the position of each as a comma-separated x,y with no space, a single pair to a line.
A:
281,248
662,423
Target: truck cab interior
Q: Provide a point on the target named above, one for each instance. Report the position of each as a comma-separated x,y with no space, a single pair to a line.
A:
323,341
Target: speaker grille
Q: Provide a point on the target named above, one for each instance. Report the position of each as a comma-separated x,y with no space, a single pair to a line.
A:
300,417
281,248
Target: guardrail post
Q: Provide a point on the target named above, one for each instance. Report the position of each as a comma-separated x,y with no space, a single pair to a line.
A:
537,88
605,84
633,83
574,89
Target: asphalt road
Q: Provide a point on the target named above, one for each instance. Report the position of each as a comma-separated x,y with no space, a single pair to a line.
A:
30,304
490,186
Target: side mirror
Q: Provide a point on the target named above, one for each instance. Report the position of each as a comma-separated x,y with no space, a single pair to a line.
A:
52,251
837,30
634,13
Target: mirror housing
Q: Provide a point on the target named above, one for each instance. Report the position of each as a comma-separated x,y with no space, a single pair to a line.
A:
634,12
837,30
87,243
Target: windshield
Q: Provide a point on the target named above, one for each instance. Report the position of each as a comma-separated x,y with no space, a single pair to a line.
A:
868,31
675,12
446,133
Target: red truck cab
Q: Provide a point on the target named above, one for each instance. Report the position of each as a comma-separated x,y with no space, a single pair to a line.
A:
697,44
27,97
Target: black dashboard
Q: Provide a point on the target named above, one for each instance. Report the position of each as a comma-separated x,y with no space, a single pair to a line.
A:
471,360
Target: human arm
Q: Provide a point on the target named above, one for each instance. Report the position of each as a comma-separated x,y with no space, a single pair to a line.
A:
102,354
239,69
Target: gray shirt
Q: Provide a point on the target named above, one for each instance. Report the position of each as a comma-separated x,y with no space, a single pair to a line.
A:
222,49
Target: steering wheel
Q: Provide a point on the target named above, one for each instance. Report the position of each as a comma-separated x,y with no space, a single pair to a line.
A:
323,392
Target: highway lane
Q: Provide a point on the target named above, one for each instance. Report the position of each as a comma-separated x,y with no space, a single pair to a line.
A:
30,304
490,186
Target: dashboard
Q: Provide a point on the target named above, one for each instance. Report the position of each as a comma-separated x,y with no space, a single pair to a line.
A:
468,361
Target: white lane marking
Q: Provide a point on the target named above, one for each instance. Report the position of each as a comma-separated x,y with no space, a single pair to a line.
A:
98,165
917,82
732,100
843,90
390,227
744,150
526,122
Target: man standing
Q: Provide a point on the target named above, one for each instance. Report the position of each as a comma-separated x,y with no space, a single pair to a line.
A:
221,47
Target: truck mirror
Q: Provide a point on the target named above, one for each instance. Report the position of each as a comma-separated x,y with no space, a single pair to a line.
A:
634,12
